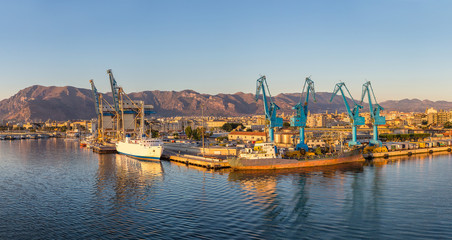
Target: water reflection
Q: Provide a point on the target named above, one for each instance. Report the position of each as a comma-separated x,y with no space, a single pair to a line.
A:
124,181
252,177
286,195
54,189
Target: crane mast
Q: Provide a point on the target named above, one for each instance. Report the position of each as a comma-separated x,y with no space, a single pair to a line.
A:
299,120
355,119
374,109
97,102
114,90
96,96
270,107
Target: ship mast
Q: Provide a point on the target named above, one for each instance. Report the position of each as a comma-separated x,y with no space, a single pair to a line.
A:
142,121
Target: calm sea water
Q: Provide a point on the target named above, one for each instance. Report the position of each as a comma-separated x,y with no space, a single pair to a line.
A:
53,189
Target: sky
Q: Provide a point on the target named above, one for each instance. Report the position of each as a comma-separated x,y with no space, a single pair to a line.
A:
403,47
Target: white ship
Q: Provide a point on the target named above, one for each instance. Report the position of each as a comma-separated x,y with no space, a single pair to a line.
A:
260,151
144,148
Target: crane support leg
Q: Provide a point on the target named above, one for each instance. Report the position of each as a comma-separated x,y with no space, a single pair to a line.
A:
302,135
353,142
302,144
375,140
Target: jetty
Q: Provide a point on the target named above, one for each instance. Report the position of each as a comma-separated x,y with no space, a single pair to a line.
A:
209,162
104,149
407,152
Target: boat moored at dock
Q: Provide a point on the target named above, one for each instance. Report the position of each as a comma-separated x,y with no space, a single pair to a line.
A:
256,163
143,148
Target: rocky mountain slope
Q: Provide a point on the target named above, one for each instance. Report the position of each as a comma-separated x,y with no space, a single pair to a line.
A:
42,103
39,103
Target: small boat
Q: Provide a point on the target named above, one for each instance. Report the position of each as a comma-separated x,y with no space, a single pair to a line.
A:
143,148
11,137
264,158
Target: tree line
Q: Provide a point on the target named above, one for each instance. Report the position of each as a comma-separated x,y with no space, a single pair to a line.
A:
403,137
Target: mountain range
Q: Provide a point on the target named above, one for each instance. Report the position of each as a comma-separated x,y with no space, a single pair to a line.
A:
40,103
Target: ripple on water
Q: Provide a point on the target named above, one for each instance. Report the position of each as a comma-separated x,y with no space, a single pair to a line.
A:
54,189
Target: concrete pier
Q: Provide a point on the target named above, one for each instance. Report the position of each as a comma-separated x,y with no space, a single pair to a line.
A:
102,149
408,152
206,162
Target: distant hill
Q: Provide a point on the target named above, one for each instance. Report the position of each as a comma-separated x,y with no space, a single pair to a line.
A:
42,103
415,105
39,103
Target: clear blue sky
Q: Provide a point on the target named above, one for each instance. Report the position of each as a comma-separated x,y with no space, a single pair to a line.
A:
403,46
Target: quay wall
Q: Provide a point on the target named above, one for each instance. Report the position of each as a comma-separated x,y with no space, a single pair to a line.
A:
408,152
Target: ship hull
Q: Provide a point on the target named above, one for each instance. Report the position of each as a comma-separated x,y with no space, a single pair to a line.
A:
139,151
281,163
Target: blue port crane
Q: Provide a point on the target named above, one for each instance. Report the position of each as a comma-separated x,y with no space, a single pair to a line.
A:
114,90
96,96
355,119
299,120
374,109
270,107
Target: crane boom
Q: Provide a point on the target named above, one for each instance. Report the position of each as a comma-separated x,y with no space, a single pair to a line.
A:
299,120
96,96
374,109
98,102
355,119
270,107
114,90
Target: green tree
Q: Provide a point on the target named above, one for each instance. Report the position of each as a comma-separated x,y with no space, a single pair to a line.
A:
189,132
221,139
155,133
403,137
231,126
318,151
448,125
196,134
